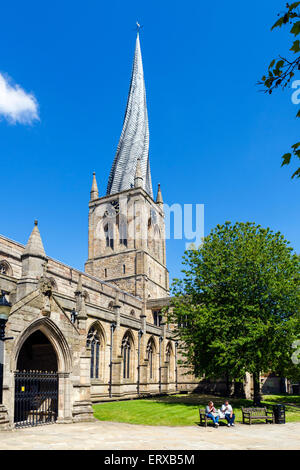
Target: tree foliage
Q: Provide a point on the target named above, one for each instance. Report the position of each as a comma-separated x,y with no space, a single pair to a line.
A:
282,69
237,306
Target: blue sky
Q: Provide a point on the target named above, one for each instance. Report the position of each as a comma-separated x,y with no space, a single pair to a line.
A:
214,139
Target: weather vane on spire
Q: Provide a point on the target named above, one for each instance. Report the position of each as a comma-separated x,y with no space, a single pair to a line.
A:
138,26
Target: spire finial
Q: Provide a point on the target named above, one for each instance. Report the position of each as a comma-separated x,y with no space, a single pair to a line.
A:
138,27
159,199
34,245
94,190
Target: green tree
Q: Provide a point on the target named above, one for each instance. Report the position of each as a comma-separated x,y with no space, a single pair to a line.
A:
282,69
237,306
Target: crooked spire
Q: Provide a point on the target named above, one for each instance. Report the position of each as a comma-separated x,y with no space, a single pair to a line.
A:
134,140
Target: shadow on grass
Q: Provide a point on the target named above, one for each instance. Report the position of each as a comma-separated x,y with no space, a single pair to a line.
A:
196,400
202,400
288,399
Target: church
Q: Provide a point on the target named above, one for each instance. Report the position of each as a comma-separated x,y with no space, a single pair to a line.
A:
71,338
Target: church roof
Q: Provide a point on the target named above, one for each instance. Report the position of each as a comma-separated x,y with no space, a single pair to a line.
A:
134,140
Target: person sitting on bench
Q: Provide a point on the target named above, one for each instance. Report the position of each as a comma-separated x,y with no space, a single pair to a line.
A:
212,413
229,414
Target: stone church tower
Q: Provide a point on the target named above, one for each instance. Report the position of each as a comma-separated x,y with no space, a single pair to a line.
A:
126,226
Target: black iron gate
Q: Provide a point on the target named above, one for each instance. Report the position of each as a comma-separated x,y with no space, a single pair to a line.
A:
36,398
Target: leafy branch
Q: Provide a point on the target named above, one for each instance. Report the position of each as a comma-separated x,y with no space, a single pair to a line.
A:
281,70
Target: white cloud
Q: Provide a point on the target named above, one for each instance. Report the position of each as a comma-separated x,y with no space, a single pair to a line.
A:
15,104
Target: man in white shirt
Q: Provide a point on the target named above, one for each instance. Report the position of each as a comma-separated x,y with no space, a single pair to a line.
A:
229,414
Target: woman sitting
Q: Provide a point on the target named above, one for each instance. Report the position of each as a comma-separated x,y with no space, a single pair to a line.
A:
212,413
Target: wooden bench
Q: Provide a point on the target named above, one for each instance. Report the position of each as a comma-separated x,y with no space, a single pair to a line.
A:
204,419
251,414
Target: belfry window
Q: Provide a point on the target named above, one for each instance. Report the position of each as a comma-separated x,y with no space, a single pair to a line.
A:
126,350
93,341
109,235
157,241
123,231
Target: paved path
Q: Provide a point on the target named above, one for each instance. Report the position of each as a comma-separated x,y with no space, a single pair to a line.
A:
119,436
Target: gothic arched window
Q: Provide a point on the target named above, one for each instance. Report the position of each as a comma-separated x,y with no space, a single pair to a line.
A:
168,352
93,341
157,318
126,351
150,352
170,360
5,268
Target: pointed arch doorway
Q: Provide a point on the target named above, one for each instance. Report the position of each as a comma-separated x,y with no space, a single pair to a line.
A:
36,382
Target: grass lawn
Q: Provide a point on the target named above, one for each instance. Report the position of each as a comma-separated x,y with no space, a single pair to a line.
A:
182,409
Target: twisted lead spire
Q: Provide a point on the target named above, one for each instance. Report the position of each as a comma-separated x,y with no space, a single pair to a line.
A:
134,140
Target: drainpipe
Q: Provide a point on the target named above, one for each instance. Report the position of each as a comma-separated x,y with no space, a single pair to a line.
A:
139,367
160,341
112,329
5,308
